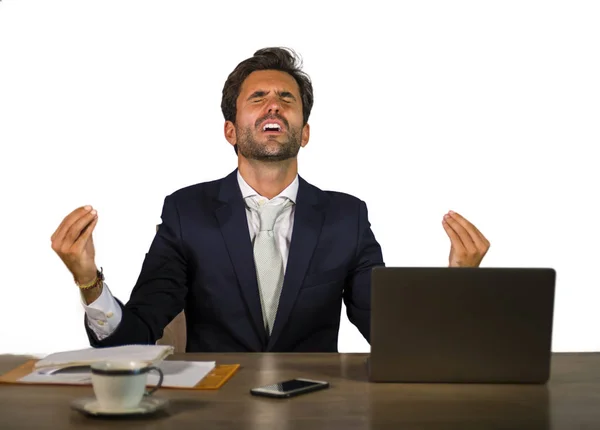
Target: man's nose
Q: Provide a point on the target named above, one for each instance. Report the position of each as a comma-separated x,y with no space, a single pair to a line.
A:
274,105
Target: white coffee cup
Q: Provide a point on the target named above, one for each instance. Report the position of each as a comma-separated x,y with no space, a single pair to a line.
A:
120,385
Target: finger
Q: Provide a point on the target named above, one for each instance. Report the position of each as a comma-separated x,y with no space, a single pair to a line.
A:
468,227
478,238
462,233
78,227
86,233
455,239
67,222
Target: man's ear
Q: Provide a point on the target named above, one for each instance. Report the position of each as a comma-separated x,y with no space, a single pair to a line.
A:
230,134
305,135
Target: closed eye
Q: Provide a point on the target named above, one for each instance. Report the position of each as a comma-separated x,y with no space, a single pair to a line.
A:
287,97
257,96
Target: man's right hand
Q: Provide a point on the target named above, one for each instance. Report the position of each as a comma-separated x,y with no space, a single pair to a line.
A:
73,243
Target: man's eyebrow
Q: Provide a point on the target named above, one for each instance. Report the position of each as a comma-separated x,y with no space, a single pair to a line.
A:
261,93
258,94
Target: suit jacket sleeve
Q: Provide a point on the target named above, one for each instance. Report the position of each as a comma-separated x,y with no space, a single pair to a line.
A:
160,291
357,292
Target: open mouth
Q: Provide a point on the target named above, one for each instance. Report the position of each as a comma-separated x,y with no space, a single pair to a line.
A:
272,127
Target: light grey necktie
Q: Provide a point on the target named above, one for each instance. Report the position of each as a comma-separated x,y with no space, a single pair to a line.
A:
268,261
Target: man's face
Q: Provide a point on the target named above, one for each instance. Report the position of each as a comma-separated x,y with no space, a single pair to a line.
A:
269,124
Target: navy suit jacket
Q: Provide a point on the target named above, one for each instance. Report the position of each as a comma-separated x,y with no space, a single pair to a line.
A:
201,261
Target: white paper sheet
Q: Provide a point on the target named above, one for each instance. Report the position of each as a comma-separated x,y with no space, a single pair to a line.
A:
180,374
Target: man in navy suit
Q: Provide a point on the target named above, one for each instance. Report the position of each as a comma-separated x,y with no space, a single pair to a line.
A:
260,260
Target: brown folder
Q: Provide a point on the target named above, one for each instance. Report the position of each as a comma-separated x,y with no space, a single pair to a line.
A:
215,379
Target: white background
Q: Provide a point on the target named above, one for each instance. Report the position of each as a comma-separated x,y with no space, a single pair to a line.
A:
488,108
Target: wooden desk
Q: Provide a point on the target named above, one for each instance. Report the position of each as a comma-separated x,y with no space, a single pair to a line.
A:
570,401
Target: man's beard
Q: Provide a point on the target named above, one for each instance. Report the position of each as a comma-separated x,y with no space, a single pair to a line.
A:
254,150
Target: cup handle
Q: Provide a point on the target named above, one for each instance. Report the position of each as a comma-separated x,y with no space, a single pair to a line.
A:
160,381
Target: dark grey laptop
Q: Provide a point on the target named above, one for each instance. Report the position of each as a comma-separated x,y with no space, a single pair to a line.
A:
480,325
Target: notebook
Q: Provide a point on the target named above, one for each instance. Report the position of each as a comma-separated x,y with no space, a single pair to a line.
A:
151,354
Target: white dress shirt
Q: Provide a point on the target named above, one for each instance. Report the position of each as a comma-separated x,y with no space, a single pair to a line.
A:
104,314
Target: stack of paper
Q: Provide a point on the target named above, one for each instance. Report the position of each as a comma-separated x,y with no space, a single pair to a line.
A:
150,354
72,367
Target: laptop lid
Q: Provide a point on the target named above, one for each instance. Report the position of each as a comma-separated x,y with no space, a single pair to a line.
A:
458,325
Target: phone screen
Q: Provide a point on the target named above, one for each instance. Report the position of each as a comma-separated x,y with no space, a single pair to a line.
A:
293,384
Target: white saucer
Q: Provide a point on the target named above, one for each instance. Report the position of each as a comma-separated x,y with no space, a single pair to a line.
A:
90,406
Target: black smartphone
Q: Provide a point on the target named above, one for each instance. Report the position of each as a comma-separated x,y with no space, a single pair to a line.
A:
291,388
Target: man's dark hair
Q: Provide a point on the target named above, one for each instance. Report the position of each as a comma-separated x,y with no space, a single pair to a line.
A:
282,59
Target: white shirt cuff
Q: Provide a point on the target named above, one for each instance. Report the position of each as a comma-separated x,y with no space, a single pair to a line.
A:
103,314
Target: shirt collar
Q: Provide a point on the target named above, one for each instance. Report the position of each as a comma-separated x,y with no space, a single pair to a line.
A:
291,192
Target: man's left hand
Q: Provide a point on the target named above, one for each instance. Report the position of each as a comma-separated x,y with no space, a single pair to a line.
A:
467,245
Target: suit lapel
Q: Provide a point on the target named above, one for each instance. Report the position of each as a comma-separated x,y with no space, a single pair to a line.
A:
234,227
308,221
